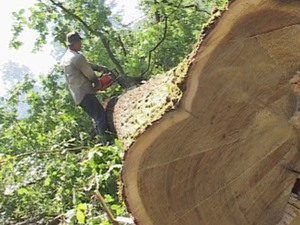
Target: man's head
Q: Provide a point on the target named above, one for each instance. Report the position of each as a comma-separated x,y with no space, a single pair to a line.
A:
73,41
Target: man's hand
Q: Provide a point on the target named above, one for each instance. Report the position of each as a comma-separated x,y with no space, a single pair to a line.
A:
99,68
96,84
102,69
105,82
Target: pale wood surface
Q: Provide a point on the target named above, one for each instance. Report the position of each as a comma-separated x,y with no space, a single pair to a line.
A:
296,221
221,156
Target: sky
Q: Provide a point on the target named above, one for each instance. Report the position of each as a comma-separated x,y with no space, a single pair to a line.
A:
38,63
41,62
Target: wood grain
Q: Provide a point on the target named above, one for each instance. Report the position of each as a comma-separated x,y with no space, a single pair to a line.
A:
221,156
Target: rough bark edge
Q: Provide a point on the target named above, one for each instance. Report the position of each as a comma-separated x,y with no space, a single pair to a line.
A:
175,79
295,83
164,93
292,210
206,30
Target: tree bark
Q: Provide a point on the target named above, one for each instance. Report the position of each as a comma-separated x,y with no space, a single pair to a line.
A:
226,152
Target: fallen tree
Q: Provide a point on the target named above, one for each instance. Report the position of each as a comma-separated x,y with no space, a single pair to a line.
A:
226,151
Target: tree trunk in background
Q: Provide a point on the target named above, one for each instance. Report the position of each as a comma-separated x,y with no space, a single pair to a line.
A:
227,153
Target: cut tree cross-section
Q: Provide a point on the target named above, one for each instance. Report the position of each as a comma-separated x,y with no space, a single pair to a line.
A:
228,153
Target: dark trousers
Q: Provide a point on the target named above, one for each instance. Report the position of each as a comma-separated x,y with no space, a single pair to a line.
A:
94,109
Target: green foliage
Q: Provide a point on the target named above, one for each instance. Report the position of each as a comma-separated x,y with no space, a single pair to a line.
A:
115,44
48,165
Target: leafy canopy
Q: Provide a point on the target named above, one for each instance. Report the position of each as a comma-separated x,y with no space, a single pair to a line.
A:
172,25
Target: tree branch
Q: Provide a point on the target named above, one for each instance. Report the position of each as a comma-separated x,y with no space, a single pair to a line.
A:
156,46
161,41
132,22
111,55
59,5
97,33
33,220
55,221
74,150
157,14
122,45
24,134
196,6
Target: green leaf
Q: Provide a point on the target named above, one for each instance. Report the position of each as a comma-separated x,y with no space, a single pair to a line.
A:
108,198
22,191
47,182
22,11
16,44
80,216
82,206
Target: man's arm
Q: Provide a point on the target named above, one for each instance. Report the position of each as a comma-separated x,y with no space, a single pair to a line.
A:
81,64
99,68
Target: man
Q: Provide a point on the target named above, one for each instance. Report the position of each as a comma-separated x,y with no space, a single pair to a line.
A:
82,82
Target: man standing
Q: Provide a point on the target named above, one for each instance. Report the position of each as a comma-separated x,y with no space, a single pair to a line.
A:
82,82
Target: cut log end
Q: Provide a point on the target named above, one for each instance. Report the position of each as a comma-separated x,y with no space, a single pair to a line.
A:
221,156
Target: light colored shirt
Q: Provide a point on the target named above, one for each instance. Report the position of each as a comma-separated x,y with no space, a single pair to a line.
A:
79,75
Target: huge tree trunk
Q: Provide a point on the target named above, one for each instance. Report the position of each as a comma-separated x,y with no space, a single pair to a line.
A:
228,152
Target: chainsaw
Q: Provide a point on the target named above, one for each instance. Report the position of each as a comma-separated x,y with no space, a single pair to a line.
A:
106,80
